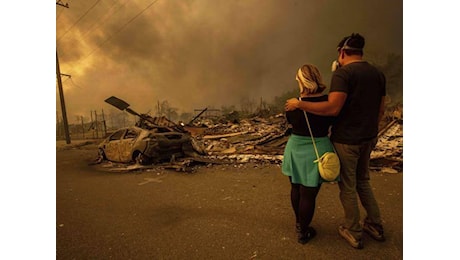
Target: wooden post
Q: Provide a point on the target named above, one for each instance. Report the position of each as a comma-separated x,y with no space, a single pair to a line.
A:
92,122
82,127
103,122
97,124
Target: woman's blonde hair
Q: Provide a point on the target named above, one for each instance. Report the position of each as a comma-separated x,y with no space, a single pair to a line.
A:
310,78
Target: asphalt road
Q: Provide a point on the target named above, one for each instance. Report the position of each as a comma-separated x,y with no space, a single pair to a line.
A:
217,212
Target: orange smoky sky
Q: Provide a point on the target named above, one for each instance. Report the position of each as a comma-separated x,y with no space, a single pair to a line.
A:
202,53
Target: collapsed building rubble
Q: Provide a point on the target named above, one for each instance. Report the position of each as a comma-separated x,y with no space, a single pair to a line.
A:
263,139
254,139
387,155
257,139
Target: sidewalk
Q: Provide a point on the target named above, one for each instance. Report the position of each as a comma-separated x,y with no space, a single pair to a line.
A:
62,144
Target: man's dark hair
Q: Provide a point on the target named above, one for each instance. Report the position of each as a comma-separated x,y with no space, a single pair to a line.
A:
352,45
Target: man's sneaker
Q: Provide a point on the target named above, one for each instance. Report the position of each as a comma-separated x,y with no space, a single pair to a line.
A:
356,243
374,230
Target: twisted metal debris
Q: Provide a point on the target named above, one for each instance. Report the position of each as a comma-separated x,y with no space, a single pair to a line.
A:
263,139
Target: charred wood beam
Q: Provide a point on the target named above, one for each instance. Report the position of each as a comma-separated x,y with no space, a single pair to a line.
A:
191,121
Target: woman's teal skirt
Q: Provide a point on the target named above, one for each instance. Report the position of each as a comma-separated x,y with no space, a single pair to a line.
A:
298,158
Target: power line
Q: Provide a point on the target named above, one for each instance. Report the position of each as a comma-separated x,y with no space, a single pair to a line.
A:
74,84
119,30
79,19
108,15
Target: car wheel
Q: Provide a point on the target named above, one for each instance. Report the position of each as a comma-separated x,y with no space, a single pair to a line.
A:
101,156
140,158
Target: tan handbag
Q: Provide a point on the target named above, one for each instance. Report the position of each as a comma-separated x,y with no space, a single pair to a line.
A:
328,163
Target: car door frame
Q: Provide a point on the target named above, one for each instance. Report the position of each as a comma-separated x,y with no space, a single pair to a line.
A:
112,147
127,143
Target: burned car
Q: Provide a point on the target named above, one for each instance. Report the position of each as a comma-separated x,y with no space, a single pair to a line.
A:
151,140
143,146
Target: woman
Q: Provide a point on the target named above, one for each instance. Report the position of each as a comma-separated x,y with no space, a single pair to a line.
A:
299,153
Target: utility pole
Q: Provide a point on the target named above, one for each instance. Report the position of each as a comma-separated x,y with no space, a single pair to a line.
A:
66,5
58,125
61,92
61,96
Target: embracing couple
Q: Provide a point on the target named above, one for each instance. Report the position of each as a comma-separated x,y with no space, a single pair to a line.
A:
344,121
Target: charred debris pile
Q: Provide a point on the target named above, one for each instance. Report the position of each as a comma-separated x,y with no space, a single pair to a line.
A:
261,139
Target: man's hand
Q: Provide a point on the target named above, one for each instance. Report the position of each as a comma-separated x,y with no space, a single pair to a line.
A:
291,104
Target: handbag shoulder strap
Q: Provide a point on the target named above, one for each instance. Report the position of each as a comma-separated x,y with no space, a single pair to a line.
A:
309,129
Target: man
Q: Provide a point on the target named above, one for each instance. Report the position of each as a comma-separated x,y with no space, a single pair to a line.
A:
356,98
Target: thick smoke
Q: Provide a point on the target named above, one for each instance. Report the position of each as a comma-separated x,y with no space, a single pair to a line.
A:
198,53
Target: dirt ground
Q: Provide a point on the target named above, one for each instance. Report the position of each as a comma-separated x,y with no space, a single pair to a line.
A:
231,211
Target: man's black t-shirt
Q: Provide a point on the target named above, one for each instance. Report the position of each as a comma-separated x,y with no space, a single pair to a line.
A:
365,86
